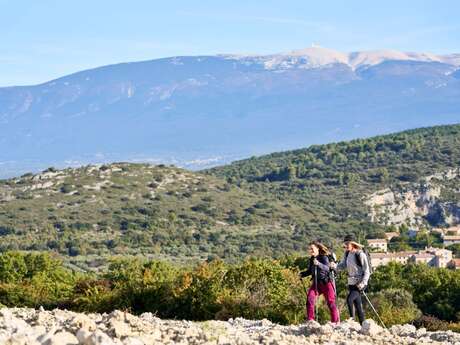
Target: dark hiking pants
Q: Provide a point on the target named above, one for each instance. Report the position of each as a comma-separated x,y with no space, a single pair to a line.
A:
354,302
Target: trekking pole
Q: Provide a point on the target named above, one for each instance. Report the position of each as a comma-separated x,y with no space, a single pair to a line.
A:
334,286
316,293
333,274
372,307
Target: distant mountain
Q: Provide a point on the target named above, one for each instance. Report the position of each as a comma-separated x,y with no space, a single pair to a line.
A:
207,110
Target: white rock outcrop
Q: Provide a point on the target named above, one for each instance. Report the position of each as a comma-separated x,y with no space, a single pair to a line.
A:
412,205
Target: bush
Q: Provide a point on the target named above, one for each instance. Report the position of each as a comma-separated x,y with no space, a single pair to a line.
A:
395,306
143,286
6,230
93,295
197,294
66,188
34,279
435,291
259,289
434,324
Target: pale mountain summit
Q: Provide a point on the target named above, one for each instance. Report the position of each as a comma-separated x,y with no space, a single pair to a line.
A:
452,59
374,57
316,56
321,56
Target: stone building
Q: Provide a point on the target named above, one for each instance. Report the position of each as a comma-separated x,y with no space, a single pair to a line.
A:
378,244
448,240
435,257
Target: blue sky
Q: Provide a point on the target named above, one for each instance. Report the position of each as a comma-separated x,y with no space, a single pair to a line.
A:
46,39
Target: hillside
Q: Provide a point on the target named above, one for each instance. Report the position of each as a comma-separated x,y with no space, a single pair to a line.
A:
347,178
188,110
136,208
266,206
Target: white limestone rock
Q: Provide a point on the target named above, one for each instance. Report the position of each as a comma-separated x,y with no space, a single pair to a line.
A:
369,327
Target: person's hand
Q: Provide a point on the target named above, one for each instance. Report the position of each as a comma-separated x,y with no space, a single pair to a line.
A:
333,265
361,286
315,262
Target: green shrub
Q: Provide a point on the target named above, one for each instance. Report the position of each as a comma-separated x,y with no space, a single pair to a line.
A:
395,306
93,295
434,324
33,280
143,286
198,291
259,289
66,188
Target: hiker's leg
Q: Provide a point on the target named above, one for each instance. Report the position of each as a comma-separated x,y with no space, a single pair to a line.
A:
350,299
329,295
359,308
311,300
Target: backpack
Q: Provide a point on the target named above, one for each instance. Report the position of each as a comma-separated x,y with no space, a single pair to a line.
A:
360,263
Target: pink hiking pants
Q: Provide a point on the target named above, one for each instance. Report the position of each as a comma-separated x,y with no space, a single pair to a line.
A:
328,291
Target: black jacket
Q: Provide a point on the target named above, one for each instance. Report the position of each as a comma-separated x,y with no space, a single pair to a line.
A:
322,268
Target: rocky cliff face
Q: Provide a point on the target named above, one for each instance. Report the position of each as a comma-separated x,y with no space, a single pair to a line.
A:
419,204
39,327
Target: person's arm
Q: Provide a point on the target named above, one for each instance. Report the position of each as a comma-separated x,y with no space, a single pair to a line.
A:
343,263
323,263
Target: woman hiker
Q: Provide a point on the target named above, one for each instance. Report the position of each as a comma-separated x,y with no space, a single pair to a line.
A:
355,262
318,268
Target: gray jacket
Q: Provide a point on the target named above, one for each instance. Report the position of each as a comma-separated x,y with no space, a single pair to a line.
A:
356,274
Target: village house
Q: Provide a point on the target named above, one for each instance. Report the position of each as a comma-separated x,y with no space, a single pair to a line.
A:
422,258
390,235
378,244
378,259
448,240
452,231
435,257
442,256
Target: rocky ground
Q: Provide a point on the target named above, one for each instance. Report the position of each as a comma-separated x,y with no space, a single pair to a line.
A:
21,326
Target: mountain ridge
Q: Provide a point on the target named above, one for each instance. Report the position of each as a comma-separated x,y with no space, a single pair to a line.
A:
192,109
354,59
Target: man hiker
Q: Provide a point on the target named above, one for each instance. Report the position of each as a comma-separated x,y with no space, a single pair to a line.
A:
318,269
356,263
